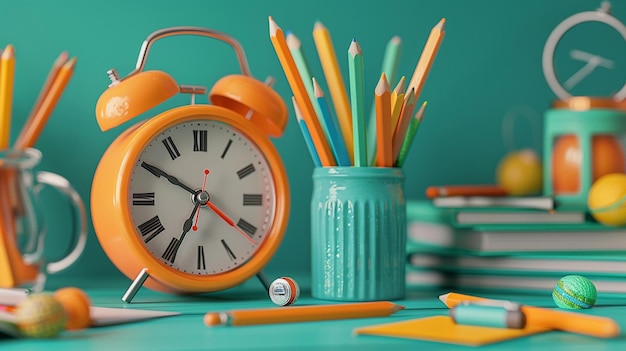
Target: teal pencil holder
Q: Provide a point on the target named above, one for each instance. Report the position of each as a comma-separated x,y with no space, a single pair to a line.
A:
358,234
582,141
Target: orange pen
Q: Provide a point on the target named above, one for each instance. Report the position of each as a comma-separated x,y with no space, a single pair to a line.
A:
465,190
578,323
294,314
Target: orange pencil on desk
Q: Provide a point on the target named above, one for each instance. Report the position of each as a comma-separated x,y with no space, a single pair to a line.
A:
465,190
579,323
294,314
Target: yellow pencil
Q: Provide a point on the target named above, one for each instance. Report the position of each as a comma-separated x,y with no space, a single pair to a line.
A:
426,58
7,69
294,314
334,80
397,99
383,123
601,327
399,132
299,91
28,136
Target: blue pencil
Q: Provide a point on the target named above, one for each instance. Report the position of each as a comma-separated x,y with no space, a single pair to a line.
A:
305,134
337,144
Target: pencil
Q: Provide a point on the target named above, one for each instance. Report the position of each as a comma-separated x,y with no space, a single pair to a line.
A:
579,323
397,99
294,314
410,135
334,137
382,101
45,89
28,136
295,47
7,72
404,119
391,60
305,134
297,86
357,101
427,57
465,190
334,80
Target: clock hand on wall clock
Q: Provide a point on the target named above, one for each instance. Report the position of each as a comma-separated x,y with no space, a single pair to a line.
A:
158,172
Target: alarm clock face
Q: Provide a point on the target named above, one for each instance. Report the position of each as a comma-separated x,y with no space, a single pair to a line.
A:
202,197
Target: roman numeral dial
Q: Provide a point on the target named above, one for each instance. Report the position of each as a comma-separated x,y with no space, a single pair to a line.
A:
212,165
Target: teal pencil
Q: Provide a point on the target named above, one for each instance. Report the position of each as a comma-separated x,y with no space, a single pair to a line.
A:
357,101
306,134
335,140
295,47
391,61
410,134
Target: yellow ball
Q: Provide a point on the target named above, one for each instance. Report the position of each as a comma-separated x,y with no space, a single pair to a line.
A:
607,199
520,173
40,316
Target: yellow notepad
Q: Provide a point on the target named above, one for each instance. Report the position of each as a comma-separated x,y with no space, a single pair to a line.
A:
443,329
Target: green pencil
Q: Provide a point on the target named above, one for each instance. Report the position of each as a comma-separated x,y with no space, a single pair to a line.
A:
410,134
357,101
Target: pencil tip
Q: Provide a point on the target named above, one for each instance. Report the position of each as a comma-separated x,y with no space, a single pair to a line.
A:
443,297
273,26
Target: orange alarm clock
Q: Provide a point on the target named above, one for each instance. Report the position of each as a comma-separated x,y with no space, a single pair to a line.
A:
196,198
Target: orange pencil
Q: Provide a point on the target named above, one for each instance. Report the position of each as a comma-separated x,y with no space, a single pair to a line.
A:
299,91
294,314
465,190
28,136
45,89
383,123
427,57
579,323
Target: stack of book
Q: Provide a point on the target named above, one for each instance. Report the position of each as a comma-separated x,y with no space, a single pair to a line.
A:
503,243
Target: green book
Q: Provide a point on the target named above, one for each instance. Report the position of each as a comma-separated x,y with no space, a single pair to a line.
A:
483,216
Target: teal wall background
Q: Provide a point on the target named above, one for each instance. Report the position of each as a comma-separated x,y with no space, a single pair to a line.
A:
489,65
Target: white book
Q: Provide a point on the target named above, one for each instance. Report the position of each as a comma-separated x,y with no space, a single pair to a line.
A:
472,217
533,264
536,202
500,240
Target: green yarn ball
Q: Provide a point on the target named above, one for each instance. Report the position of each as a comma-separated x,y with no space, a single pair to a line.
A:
574,292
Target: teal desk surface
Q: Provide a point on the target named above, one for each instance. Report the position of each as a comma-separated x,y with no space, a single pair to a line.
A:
188,332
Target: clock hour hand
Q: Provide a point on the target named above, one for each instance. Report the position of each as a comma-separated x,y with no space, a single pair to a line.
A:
158,173
172,249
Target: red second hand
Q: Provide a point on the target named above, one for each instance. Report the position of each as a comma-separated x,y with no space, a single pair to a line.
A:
195,225
229,221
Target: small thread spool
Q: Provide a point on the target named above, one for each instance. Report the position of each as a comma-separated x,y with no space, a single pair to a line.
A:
284,291
506,315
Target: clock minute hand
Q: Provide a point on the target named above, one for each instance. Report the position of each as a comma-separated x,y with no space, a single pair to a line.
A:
170,178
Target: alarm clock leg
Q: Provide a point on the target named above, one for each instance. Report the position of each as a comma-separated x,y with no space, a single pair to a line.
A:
135,285
263,279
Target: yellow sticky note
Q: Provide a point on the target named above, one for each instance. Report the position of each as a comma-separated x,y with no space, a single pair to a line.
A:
443,329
